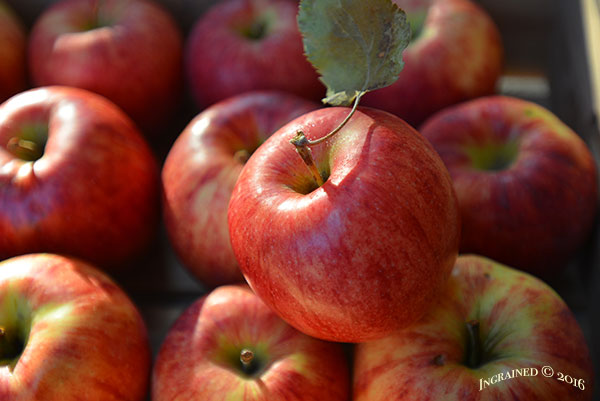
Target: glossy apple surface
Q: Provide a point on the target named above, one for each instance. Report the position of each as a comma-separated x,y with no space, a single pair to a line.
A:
129,51
526,183
13,42
242,45
203,166
69,331
200,358
456,54
362,255
523,324
76,177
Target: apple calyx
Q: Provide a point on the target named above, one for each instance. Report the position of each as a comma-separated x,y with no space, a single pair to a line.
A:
473,349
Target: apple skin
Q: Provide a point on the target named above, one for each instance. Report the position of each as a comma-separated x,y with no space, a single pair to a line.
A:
457,56
364,254
537,211
85,336
94,193
133,55
238,63
13,43
531,326
200,357
201,170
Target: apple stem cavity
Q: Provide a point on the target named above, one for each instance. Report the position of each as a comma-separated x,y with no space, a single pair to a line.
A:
24,149
11,346
303,144
439,360
474,351
256,31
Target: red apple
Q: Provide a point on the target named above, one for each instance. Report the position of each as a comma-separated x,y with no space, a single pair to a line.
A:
127,50
76,178
242,45
12,53
201,169
526,183
456,54
230,345
68,333
496,334
365,253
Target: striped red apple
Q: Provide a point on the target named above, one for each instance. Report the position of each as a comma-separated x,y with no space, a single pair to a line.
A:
77,178
13,43
365,253
129,51
68,332
526,183
496,334
202,168
229,345
455,54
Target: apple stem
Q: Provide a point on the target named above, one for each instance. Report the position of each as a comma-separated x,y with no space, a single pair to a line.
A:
242,156
473,344
24,149
302,143
246,357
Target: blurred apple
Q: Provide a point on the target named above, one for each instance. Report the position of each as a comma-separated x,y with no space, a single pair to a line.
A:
13,42
229,345
127,50
67,332
76,178
526,183
362,255
242,45
496,334
201,169
455,54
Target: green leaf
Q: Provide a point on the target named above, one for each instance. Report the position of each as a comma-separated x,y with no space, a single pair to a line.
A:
355,45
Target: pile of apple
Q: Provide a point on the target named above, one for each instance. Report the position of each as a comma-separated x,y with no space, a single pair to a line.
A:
340,243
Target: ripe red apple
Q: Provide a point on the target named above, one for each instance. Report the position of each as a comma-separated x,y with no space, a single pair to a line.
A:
496,334
76,178
365,253
12,53
201,169
68,332
127,50
242,45
230,345
526,183
456,54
